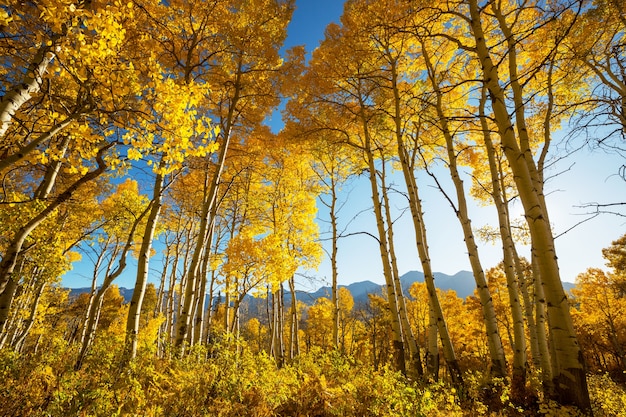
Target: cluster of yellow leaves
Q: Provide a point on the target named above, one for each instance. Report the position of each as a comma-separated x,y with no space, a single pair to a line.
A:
278,233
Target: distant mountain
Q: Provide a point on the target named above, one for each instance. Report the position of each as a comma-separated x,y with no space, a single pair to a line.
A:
127,293
567,286
462,282
359,291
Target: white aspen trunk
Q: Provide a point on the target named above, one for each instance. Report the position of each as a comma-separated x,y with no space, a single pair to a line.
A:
52,171
407,331
6,300
397,342
200,314
15,98
91,323
280,326
570,379
415,205
94,289
158,309
23,152
432,353
547,366
21,338
134,310
525,283
208,209
518,380
272,320
170,309
294,348
15,245
333,261
178,304
209,320
496,352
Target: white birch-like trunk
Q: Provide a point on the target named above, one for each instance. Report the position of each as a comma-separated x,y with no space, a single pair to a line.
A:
134,311
570,379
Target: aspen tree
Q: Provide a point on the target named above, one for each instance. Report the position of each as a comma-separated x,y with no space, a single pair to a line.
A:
570,380
394,50
245,93
498,366
511,262
125,227
136,302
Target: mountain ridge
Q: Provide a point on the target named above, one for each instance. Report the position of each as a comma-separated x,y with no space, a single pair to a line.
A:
461,282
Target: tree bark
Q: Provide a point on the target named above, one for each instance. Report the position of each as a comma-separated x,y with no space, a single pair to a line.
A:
134,310
91,323
570,380
518,380
494,342
15,98
15,246
208,209
397,342
415,205
407,331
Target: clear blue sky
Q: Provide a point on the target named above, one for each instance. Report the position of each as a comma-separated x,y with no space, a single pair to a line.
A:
591,178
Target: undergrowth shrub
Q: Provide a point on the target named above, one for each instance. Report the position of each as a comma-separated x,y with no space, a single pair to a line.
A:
608,398
229,380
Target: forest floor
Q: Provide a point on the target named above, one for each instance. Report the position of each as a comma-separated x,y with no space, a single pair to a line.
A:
249,384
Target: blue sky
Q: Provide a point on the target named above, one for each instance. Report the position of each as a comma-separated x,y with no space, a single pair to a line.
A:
310,20
587,177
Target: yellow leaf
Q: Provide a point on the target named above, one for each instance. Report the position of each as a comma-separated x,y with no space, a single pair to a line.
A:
134,154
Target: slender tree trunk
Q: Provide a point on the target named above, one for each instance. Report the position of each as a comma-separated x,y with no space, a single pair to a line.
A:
271,308
52,172
91,323
227,308
178,303
94,289
415,360
333,261
494,342
415,205
518,380
209,321
134,311
170,309
15,246
278,341
208,209
200,315
432,353
547,367
294,348
158,309
570,380
525,283
94,314
397,342
6,300
21,338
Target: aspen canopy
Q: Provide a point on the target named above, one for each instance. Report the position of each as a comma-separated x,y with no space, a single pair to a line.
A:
139,139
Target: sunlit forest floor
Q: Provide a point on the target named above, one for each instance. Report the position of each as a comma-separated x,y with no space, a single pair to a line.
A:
232,381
